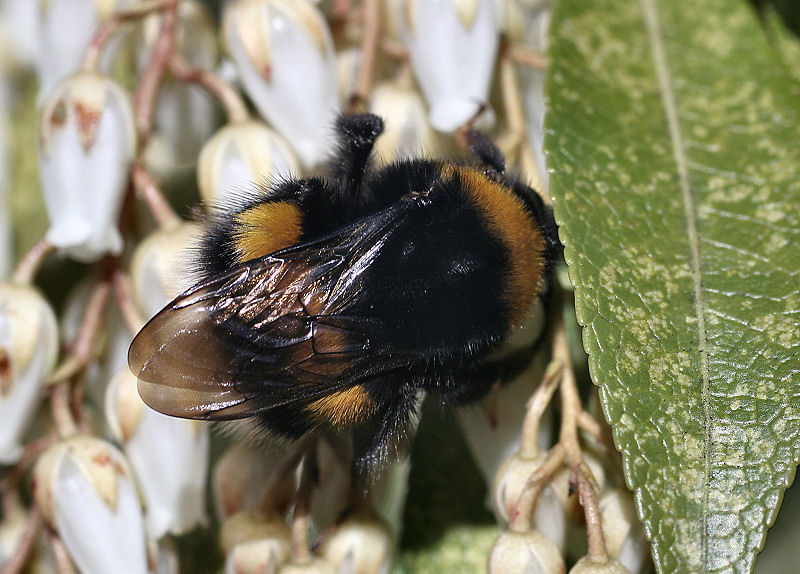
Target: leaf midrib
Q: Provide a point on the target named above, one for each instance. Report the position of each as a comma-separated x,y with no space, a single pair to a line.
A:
660,60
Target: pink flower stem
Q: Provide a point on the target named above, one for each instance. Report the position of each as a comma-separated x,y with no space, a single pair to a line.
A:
125,303
29,265
148,191
526,56
16,565
537,404
230,99
589,424
60,409
519,145
61,556
66,400
587,492
110,27
570,412
29,456
369,51
144,100
81,349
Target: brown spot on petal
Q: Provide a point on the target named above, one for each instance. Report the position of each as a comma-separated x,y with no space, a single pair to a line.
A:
59,116
88,124
104,459
5,372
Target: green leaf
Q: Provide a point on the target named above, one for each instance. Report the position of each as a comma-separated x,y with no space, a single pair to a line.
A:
672,134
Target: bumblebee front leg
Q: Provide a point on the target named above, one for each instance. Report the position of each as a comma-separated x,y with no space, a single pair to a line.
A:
356,134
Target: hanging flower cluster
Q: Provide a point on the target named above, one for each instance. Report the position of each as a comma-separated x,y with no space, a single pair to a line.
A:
138,100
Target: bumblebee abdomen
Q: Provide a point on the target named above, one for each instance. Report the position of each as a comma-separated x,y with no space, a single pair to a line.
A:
462,270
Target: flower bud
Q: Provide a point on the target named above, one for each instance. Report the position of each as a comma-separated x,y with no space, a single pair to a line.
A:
407,132
239,157
65,29
254,544
240,479
159,265
284,53
86,493
530,552
86,144
549,514
441,36
624,534
361,544
169,457
588,566
28,350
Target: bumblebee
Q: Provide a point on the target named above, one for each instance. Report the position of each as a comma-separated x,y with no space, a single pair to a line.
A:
333,302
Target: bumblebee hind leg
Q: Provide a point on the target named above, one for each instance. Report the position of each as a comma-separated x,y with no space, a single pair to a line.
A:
378,441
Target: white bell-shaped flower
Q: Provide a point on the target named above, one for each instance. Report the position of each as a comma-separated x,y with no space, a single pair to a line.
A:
453,46
65,29
87,141
407,132
169,457
239,157
28,350
284,53
85,490
159,268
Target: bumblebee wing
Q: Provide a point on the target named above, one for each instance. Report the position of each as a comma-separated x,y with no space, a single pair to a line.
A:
266,333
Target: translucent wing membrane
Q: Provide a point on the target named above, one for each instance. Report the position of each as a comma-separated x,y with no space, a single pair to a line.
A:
271,331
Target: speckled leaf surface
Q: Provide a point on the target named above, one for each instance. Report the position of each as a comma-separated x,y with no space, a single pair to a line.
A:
673,141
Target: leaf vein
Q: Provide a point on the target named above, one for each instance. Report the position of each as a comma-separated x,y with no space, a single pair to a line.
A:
667,92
